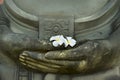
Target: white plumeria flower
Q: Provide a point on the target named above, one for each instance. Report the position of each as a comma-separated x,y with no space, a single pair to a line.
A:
70,41
57,40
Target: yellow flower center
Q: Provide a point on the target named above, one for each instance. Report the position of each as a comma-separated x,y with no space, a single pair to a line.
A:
68,42
57,39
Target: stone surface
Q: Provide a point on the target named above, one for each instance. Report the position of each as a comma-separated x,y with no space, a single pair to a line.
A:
38,76
106,75
50,77
64,77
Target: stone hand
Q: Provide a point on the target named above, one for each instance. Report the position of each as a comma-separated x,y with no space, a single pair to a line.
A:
86,57
85,51
94,54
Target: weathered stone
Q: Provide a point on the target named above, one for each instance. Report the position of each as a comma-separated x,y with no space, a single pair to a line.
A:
50,77
64,77
111,74
38,76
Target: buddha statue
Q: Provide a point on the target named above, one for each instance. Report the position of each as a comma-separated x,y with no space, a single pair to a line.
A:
27,50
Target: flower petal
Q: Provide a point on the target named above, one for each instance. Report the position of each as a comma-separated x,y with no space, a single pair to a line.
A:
55,43
72,42
52,38
66,43
60,42
62,39
69,38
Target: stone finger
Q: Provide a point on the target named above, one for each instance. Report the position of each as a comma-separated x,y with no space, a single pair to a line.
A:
28,59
